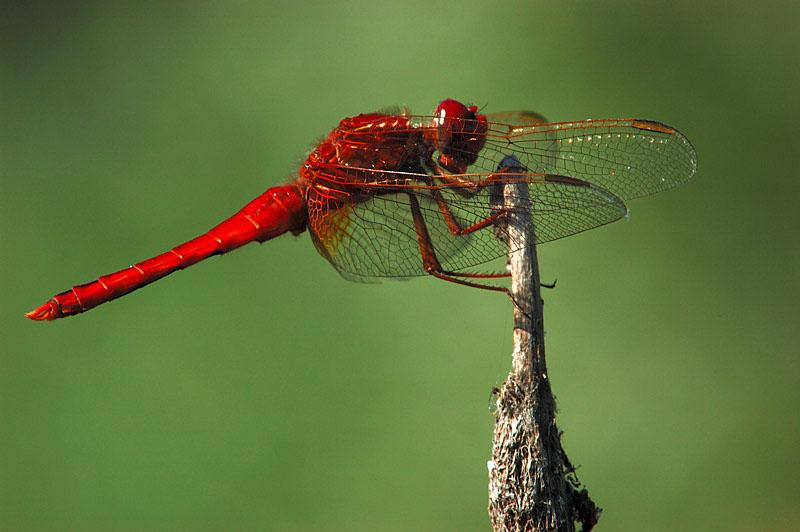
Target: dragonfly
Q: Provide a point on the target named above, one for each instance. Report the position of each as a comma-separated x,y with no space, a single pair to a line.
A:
395,195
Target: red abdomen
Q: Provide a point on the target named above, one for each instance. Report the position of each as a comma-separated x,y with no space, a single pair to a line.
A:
276,211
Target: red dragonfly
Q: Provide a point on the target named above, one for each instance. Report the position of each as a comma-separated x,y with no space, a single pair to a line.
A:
398,195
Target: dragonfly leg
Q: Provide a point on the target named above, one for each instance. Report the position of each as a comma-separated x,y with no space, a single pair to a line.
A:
431,263
451,222
446,277
434,268
467,189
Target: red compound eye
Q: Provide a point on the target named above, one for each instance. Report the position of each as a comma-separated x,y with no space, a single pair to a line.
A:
452,109
459,134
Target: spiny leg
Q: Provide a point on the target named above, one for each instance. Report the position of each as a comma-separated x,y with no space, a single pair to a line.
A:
451,222
433,267
431,263
466,189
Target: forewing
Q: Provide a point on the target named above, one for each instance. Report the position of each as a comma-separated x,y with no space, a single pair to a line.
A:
517,118
629,158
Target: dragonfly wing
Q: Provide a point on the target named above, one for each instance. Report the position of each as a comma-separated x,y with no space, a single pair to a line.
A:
517,118
376,238
629,158
562,206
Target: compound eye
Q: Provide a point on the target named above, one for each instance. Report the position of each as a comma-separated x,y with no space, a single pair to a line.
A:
451,109
449,121
459,134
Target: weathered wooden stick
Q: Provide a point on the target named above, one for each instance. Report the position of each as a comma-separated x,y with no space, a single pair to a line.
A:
532,486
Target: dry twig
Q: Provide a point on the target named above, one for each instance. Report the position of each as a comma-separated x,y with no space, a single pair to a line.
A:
532,485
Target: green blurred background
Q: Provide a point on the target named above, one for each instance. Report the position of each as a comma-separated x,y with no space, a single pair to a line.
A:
260,391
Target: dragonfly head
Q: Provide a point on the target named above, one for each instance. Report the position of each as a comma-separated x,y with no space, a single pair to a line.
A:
459,134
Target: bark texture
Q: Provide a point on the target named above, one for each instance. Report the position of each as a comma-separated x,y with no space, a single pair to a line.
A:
532,484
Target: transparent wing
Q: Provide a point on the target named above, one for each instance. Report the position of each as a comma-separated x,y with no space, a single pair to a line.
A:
376,238
517,118
629,158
